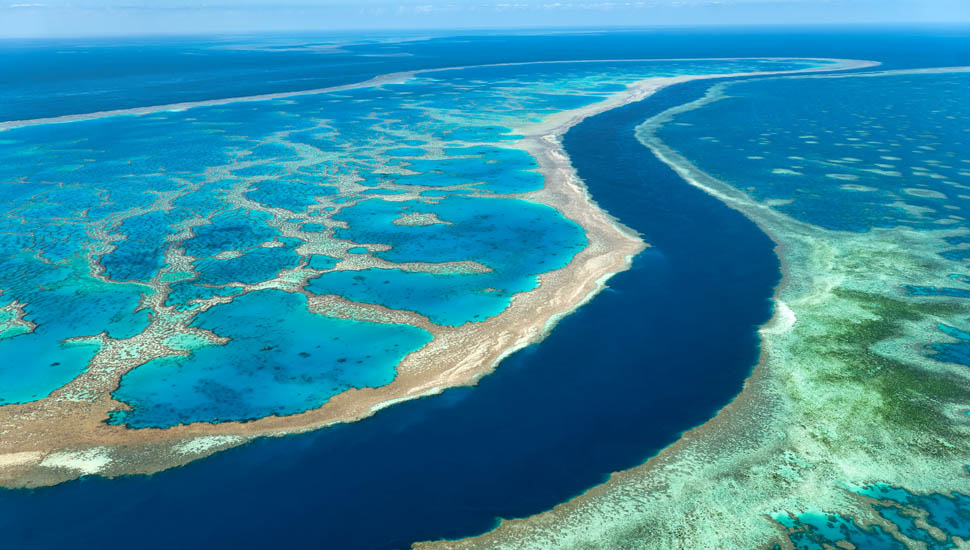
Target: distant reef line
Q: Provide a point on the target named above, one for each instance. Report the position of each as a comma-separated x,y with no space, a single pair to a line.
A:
380,80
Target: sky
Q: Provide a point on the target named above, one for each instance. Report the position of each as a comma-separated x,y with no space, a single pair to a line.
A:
53,18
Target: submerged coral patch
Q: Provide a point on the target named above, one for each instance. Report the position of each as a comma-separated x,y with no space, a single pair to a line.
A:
280,359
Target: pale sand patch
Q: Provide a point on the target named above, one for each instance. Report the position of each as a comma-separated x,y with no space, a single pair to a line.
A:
778,202
199,445
24,458
228,255
860,188
925,193
912,209
88,461
880,172
786,172
419,218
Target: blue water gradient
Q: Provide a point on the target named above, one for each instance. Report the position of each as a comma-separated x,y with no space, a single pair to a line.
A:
853,154
613,383
124,73
844,160
605,390
196,205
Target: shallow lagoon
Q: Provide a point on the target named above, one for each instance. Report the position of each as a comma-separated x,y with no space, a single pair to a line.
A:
280,359
254,193
71,305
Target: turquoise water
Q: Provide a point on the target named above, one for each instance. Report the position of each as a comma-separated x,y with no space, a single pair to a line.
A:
64,303
254,266
280,359
948,512
514,239
816,531
195,205
488,168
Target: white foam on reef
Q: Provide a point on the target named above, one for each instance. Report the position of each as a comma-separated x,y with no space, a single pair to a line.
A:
786,172
427,393
782,321
88,461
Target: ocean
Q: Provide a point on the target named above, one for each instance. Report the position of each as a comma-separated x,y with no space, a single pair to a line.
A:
660,351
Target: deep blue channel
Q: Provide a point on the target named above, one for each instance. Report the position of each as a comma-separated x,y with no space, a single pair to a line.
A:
666,346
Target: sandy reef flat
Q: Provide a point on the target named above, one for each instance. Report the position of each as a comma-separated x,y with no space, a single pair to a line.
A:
64,435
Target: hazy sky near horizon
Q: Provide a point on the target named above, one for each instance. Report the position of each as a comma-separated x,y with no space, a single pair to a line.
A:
51,18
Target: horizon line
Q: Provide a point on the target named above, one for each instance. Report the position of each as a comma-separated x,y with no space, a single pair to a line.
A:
553,28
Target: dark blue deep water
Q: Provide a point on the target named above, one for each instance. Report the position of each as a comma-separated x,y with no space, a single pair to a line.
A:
666,346
123,73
